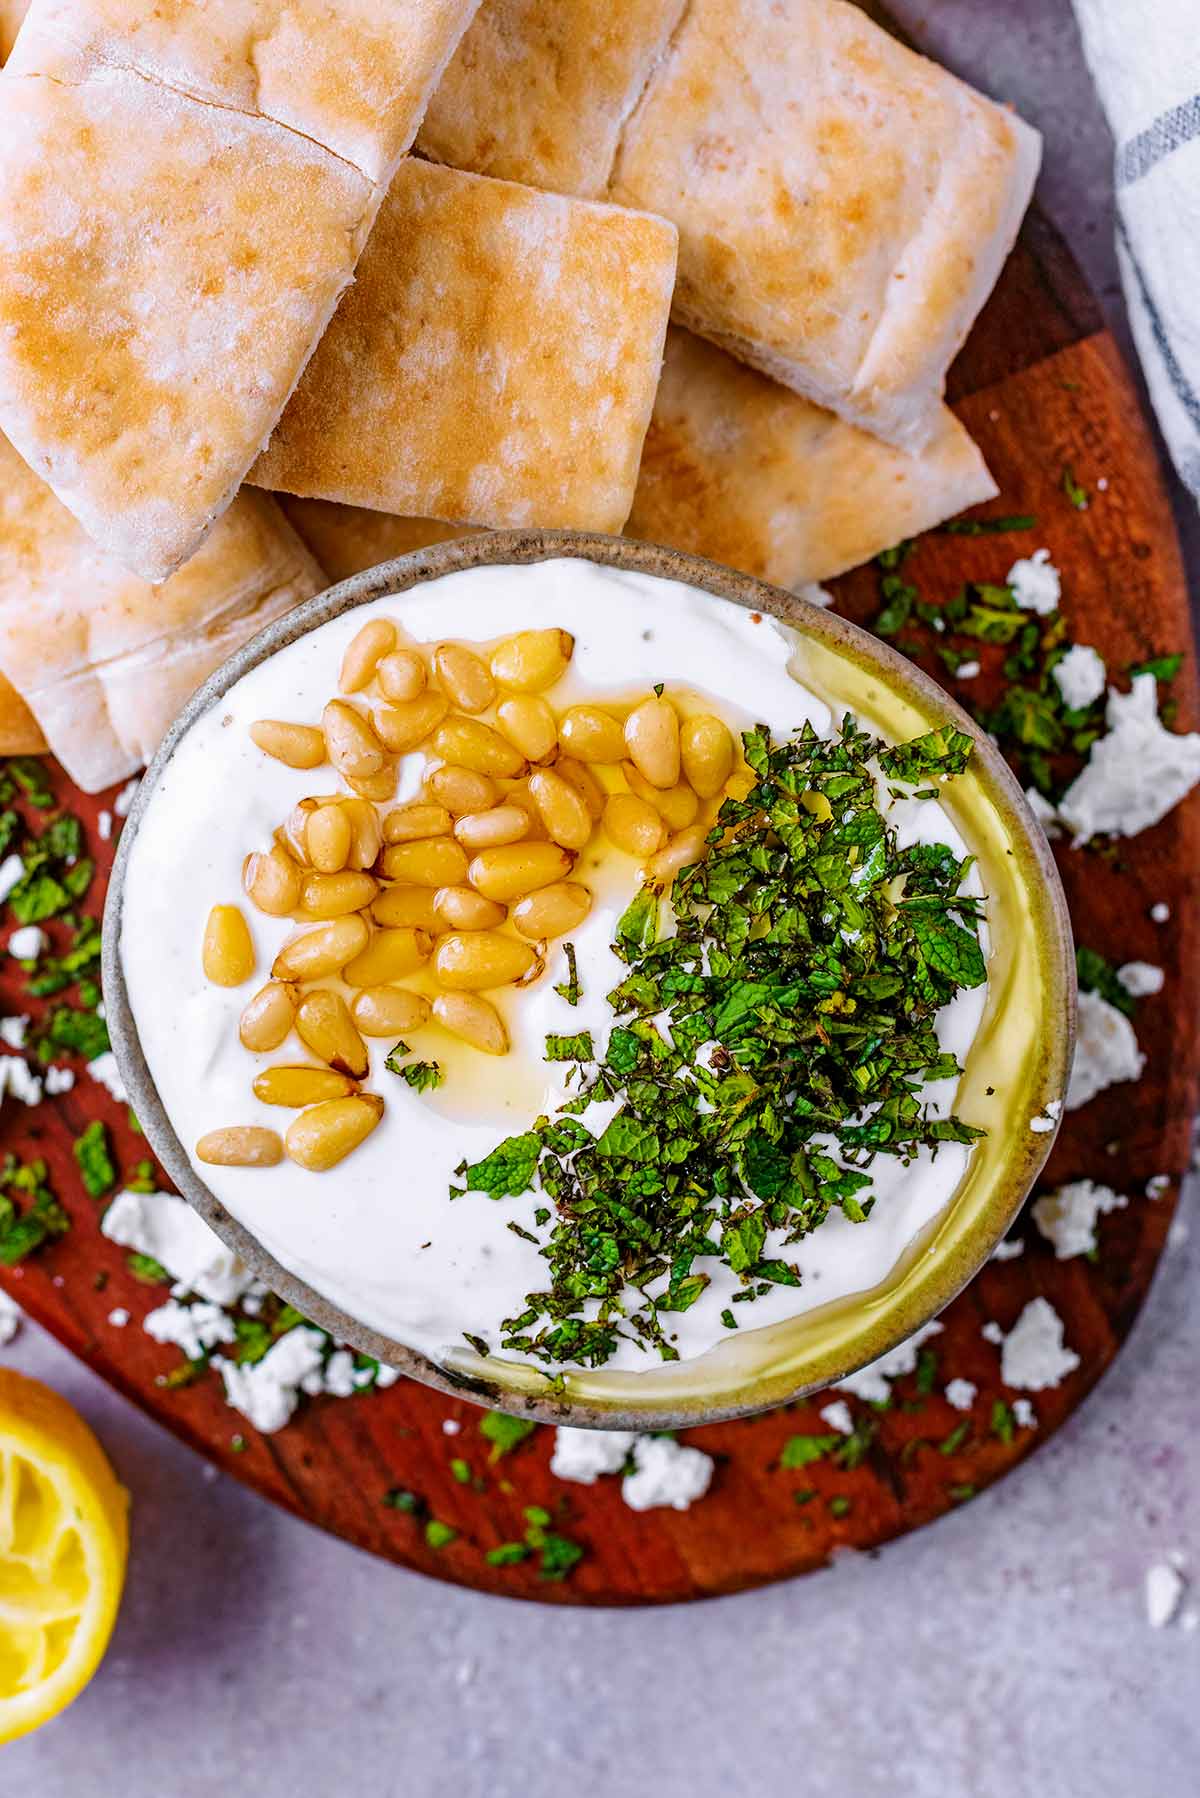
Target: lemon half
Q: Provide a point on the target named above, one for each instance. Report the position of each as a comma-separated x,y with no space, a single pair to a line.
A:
63,1544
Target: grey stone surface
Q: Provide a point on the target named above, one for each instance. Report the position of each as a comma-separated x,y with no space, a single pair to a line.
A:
1004,1651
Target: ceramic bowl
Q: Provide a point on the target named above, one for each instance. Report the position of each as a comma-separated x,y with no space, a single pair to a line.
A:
1026,1033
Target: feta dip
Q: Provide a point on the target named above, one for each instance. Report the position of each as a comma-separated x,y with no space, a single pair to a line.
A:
378,1234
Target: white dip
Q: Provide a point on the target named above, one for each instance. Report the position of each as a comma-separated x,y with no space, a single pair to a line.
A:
378,1235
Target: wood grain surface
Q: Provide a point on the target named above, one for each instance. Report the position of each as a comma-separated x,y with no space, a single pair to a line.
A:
1041,387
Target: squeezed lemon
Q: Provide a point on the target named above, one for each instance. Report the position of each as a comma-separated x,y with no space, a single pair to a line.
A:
63,1545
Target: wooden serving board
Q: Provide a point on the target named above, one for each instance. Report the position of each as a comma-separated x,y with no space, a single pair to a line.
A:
1041,386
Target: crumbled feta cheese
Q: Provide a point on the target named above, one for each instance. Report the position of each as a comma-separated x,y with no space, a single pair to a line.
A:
1141,979
267,1392
12,872
118,1317
57,1080
123,802
1106,1051
104,1070
1134,774
1161,912
1024,1415
450,1426
967,670
164,1227
665,1473
19,1079
27,943
1044,1122
1165,1587
814,594
387,1376
1008,1249
10,1318
104,826
13,1031
1033,1355
336,1377
870,1383
1045,813
193,1328
1035,582
839,1417
991,1332
1080,676
1157,1184
583,1455
1068,1217
961,1394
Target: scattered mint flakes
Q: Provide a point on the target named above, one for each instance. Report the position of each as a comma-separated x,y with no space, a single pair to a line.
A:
570,989
422,1076
1096,974
439,1535
30,1215
1075,492
507,1171
570,1048
505,1433
93,1155
802,1451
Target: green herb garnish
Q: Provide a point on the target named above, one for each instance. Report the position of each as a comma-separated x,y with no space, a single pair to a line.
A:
30,1215
570,989
96,1166
802,1451
1077,494
504,1433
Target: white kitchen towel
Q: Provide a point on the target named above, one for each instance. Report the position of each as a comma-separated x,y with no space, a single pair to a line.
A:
1145,58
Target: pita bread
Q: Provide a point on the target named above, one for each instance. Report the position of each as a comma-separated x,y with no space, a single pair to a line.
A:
745,472
353,76
20,732
11,14
495,361
102,659
165,269
844,206
540,93
347,539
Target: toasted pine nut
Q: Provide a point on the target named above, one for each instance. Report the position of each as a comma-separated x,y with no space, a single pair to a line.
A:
409,822
414,906
268,1017
271,880
517,868
404,725
677,806
320,951
228,953
580,776
591,734
389,1010
529,725
652,740
706,748
378,788
300,1086
474,1020
366,836
429,862
336,895
531,661
240,1145
390,955
401,676
297,745
633,825
328,836
376,639
488,830
325,1134
475,960
354,748
471,744
293,833
464,677
461,790
324,1025
562,809
552,911
687,847
462,908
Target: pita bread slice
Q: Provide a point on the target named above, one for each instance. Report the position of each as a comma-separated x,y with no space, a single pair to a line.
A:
495,361
102,659
353,76
745,472
165,269
11,14
539,92
20,732
844,206
347,539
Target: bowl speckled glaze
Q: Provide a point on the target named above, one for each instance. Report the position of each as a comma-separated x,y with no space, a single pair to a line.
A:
1026,1034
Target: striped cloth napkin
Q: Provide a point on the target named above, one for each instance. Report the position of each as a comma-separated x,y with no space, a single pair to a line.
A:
1145,58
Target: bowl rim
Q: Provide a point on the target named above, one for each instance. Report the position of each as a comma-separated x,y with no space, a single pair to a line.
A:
393,578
